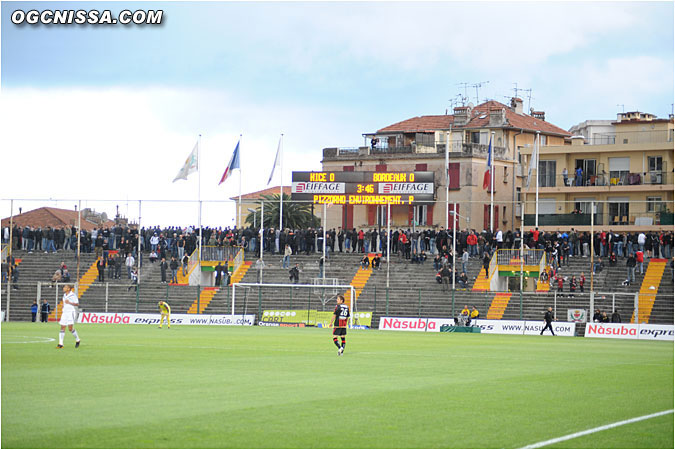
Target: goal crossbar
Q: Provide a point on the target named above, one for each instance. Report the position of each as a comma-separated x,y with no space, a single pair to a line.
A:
349,287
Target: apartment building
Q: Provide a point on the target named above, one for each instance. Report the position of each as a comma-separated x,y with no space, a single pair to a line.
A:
420,143
626,170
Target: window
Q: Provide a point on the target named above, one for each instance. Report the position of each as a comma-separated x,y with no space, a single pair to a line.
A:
475,137
546,173
547,206
618,170
453,176
422,167
421,215
655,164
542,139
654,204
506,174
583,205
588,174
619,210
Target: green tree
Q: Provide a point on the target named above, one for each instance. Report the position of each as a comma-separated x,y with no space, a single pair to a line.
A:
296,215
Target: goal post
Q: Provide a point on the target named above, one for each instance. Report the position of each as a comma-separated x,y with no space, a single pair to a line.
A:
323,292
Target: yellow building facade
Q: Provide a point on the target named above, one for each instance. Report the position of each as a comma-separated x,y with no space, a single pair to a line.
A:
629,179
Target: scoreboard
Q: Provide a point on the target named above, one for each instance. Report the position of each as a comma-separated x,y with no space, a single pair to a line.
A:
363,188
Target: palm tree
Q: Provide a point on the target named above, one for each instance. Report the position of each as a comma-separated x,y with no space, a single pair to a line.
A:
296,215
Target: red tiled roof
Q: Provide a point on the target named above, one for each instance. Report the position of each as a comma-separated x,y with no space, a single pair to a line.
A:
256,195
423,123
52,217
514,120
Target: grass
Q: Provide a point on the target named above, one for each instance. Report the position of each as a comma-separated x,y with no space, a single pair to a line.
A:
221,387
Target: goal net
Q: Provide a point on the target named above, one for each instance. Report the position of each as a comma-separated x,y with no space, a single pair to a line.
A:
293,304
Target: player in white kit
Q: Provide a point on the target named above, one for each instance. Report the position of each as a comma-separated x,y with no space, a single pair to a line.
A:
68,315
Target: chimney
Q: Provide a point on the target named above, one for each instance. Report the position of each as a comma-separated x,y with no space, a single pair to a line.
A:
517,105
497,117
461,115
578,140
541,115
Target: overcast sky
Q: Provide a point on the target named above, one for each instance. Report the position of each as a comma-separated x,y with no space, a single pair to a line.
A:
112,112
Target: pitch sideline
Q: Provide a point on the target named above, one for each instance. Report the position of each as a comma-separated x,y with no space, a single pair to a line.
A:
595,430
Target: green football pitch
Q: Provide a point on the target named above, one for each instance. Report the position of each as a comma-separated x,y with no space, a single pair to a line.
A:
253,387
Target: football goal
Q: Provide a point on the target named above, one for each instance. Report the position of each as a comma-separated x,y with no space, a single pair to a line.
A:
305,304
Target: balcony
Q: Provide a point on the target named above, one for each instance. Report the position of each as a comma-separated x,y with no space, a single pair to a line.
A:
622,181
636,217
632,137
563,219
467,149
457,150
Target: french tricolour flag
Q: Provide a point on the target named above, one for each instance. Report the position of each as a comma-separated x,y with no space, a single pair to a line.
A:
488,175
234,164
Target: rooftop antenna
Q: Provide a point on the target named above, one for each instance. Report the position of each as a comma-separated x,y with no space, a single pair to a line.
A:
457,100
529,98
515,90
466,94
478,85
623,109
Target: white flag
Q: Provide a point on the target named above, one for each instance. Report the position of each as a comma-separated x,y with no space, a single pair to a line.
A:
277,161
533,164
190,165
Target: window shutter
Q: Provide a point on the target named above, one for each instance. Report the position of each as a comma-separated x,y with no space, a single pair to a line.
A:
453,171
372,209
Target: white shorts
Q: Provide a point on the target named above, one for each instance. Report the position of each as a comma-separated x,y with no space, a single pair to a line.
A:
67,318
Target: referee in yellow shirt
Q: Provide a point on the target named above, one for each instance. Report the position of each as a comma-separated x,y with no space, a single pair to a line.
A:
165,311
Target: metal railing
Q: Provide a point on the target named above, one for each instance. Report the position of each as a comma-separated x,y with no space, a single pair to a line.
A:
212,253
463,149
632,137
612,180
530,257
428,302
391,150
238,260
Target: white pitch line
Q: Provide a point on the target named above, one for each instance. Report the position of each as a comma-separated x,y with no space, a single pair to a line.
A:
44,340
595,430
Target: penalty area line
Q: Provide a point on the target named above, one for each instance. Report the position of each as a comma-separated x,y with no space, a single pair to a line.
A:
595,430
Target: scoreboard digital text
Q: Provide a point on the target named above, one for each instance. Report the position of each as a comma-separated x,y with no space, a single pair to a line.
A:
363,188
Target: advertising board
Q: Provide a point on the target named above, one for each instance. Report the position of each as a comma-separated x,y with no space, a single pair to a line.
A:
153,319
403,324
643,331
577,315
499,326
487,326
533,327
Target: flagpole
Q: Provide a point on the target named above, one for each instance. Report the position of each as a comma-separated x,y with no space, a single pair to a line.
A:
536,202
240,177
262,237
447,177
281,187
324,245
389,241
199,197
492,184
